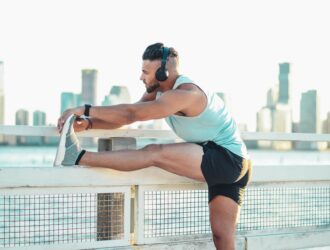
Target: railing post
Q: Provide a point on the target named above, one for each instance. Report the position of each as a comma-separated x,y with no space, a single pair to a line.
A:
107,217
134,214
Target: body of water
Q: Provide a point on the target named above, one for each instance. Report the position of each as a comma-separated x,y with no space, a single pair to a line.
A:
43,156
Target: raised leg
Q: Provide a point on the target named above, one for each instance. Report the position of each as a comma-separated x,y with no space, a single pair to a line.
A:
180,158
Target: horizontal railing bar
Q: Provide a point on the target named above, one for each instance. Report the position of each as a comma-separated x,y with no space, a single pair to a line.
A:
12,177
277,136
101,133
153,133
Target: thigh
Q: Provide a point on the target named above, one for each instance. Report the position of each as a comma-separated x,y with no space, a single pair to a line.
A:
223,216
182,159
220,165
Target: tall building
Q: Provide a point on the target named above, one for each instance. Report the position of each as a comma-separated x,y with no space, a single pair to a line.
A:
284,83
2,100
264,124
39,118
70,100
88,96
278,103
272,96
310,121
117,95
326,128
22,118
264,120
122,93
310,112
277,115
282,122
89,86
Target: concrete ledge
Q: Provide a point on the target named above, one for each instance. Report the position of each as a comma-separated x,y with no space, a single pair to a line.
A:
289,173
83,176
206,244
153,133
286,241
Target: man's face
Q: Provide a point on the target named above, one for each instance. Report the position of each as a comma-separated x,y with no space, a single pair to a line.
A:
148,75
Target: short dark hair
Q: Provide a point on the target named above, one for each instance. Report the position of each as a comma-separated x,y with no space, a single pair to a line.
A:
155,52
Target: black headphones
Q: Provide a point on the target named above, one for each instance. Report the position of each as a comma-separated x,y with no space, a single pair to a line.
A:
162,73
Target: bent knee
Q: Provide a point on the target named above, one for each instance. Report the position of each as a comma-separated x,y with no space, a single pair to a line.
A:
223,236
152,147
154,151
223,232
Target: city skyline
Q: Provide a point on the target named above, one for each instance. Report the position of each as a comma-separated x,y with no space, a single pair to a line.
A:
274,116
43,55
278,97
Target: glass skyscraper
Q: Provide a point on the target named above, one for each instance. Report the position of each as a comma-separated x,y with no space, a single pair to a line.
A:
310,121
22,118
284,88
39,118
88,95
69,100
89,86
117,95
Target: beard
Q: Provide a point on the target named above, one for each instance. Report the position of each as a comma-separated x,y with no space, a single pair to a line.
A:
153,87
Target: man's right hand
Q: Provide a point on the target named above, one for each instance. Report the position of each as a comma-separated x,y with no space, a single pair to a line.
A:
78,112
80,124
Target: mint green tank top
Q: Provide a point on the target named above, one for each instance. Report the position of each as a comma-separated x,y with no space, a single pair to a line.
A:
215,124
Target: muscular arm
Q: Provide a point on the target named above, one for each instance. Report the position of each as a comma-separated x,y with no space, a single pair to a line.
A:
103,124
189,100
114,116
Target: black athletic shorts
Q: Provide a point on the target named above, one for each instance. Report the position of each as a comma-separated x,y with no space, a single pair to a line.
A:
226,173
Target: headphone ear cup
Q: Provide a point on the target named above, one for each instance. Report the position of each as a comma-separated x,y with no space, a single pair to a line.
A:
161,74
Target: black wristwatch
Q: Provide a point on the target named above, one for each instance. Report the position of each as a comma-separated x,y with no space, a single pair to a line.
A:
87,108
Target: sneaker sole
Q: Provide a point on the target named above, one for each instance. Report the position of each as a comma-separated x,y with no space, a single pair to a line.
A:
61,146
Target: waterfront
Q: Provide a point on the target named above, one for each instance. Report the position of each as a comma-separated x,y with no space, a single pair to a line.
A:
49,218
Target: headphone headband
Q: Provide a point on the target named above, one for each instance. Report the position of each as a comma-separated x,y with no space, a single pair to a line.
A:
161,73
165,55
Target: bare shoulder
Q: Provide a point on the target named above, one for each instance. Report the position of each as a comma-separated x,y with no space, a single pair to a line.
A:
192,88
197,99
186,86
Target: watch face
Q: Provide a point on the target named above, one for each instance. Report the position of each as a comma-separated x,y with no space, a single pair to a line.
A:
87,107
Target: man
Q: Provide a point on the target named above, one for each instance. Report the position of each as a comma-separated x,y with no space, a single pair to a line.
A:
213,152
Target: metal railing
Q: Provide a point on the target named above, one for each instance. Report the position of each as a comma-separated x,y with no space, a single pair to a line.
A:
81,208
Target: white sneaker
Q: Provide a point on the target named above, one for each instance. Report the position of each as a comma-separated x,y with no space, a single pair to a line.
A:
68,149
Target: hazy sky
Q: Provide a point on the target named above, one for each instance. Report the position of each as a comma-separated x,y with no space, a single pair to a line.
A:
230,46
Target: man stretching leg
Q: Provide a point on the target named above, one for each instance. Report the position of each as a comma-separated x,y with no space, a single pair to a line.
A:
213,152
